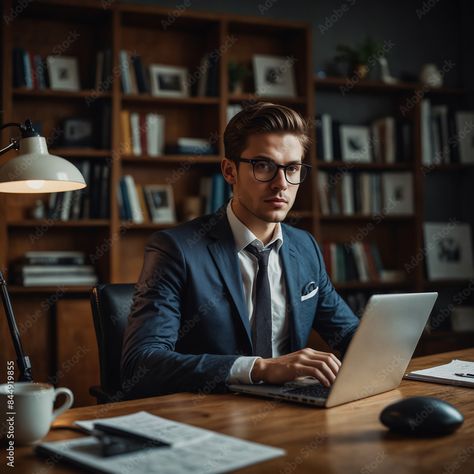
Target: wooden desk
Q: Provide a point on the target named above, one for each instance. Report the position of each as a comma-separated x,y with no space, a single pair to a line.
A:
344,439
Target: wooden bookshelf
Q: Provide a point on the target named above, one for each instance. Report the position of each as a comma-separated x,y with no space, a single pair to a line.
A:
117,246
399,237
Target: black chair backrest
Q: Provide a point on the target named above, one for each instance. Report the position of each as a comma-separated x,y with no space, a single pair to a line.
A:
111,305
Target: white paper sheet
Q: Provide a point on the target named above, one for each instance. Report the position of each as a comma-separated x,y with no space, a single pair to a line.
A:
194,450
445,373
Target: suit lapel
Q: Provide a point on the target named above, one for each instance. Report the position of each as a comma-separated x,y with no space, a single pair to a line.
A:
290,269
224,254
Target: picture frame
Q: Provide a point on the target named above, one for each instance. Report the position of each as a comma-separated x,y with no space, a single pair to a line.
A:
448,250
274,76
169,81
397,189
78,132
464,124
160,202
63,72
355,143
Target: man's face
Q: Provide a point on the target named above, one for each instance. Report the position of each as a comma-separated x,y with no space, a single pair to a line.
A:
266,201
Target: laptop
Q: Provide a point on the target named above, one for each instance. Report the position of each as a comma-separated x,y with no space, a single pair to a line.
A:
375,360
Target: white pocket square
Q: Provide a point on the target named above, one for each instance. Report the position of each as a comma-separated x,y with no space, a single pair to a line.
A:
309,295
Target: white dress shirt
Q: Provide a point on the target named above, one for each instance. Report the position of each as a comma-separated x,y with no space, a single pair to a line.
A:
243,236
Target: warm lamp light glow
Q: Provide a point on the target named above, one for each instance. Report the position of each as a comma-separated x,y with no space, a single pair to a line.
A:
34,170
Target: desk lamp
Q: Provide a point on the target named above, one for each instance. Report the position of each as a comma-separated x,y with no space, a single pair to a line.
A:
33,170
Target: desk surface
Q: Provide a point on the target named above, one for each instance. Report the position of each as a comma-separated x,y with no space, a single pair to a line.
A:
344,439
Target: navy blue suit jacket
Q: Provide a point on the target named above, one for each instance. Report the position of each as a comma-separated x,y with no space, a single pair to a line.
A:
189,321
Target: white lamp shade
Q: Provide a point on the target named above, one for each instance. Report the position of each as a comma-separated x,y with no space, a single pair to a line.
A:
34,170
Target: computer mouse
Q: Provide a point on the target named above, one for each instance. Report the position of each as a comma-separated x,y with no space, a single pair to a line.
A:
422,416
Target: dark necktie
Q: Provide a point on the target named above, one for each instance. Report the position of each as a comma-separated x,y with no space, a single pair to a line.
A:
262,311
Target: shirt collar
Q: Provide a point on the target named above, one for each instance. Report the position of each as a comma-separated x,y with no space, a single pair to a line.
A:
243,236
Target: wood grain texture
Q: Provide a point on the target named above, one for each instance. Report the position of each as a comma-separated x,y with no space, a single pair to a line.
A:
344,439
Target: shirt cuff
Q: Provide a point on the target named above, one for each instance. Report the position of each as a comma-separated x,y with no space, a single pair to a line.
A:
241,370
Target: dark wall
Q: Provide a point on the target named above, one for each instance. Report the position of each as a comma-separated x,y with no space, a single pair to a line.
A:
415,35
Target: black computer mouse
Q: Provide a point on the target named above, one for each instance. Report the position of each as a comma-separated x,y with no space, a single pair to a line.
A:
421,416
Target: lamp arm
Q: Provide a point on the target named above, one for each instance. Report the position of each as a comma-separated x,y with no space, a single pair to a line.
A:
15,145
24,363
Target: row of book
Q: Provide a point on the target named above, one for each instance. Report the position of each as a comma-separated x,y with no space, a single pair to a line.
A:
357,261
53,268
386,140
445,134
92,202
142,134
29,70
136,78
349,193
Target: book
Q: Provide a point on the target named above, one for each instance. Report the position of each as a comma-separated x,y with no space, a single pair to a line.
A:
62,279
192,449
446,374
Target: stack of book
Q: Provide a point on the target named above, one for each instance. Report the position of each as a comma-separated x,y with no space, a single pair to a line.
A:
142,134
192,146
53,268
92,202
352,193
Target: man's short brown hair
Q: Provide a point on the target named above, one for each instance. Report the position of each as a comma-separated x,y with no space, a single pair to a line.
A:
259,118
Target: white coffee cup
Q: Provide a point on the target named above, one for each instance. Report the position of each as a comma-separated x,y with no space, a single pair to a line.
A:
27,410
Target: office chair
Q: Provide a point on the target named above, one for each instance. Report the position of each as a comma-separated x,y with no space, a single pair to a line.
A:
110,308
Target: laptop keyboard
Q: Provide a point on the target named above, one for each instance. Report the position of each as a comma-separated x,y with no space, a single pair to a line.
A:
316,390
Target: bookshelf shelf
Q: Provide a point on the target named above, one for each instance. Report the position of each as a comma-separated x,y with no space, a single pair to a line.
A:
235,98
336,83
433,285
81,152
442,167
349,166
371,285
131,99
366,217
15,289
145,226
57,94
57,223
159,160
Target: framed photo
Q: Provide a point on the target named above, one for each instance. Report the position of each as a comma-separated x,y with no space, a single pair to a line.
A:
464,126
78,132
160,202
448,250
397,191
274,76
169,81
63,73
355,143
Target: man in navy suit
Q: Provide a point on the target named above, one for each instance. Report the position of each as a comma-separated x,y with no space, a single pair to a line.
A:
233,296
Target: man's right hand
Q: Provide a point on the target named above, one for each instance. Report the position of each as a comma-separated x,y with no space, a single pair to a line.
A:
323,366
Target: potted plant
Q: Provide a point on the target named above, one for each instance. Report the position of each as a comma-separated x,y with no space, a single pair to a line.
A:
357,58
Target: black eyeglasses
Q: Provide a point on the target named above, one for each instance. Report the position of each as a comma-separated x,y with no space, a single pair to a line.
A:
265,170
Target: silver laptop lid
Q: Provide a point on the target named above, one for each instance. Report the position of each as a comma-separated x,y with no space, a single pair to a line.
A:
382,346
